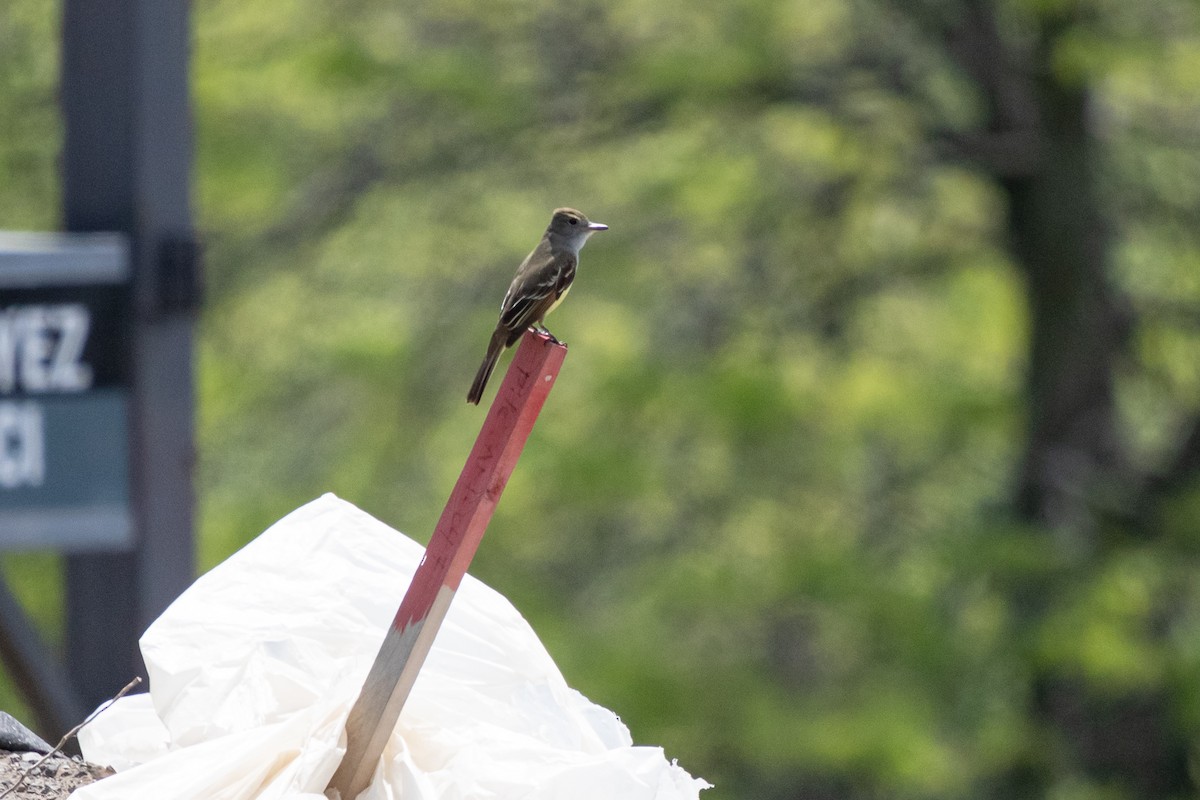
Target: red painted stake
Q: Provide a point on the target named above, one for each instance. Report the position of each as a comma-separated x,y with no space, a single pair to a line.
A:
453,545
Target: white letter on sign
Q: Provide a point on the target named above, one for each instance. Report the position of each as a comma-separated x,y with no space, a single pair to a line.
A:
22,449
70,373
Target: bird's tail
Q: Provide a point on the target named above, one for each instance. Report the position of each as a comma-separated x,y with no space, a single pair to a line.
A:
495,348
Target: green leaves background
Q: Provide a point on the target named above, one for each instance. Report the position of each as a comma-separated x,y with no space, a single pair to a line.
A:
766,513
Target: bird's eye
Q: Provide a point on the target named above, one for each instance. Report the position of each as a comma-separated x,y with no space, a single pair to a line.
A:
573,221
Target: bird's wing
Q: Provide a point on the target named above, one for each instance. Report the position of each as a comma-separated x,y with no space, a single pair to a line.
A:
566,274
539,278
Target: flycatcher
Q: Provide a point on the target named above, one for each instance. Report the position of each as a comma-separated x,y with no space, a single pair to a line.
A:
542,282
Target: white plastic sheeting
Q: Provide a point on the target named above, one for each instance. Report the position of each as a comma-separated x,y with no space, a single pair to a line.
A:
254,669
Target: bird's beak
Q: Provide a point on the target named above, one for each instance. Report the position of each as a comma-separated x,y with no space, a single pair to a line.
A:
597,226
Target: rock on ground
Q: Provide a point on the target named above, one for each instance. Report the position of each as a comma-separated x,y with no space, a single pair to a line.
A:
55,779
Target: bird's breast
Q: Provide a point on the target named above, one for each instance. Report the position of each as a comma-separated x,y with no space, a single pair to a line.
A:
562,296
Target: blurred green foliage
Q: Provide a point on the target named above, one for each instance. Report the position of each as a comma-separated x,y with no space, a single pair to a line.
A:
765,514
30,136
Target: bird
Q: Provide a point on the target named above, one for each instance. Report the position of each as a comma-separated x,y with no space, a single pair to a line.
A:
541,283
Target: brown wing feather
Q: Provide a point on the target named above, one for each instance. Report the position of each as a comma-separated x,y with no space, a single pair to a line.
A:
539,282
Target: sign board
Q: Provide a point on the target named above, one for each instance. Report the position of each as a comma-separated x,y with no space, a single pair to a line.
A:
65,376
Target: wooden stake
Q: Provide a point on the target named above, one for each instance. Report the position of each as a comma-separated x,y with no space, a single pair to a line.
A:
455,539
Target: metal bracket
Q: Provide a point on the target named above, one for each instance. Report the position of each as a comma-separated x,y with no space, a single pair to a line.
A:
179,286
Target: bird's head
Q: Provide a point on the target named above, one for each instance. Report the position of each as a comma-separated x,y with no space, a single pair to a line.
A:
572,228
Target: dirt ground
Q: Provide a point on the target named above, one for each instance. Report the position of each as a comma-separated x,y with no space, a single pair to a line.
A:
53,780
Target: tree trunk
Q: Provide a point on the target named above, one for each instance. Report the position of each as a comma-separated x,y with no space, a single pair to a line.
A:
1077,325
1073,469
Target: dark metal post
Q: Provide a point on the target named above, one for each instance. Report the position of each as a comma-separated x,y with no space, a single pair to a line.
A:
126,167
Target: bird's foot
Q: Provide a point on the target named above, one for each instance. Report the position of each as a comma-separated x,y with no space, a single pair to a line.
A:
546,331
